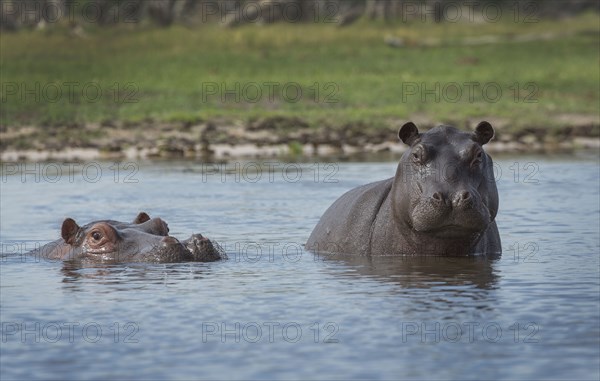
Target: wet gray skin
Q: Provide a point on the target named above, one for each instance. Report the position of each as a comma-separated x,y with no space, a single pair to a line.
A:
143,240
442,201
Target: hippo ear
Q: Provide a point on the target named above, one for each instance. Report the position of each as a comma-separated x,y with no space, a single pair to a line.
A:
69,230
408,133
141,218
484,132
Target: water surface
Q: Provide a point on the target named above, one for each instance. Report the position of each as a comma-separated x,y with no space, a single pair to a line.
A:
274,311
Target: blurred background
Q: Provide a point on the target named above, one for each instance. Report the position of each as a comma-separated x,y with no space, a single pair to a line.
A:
195,78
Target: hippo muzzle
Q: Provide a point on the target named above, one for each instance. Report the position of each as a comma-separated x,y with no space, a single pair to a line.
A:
458,214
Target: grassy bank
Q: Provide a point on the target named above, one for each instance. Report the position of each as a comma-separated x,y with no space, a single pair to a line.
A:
433,72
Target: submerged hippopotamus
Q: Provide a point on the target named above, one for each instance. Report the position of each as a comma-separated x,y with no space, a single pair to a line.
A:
143,240
442,201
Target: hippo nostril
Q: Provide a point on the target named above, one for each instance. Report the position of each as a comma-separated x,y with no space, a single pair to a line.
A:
168,240
461,198
437,196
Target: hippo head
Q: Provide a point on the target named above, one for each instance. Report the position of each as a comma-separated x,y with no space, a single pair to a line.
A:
141,222
444,185
145,240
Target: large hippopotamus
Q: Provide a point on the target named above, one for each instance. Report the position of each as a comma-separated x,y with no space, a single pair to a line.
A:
144,240
442,201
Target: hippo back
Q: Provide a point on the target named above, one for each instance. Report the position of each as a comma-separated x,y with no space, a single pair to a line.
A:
346,226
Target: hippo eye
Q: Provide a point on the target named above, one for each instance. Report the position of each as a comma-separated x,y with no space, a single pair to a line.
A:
96,236
418,155
478,159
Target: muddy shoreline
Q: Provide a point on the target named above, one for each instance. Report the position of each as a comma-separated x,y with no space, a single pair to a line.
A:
276,137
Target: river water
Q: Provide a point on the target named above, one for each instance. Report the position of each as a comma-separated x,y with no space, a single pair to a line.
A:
274,311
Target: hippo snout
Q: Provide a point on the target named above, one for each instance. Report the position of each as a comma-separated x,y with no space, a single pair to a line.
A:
460,208
203,250
196,248
456,200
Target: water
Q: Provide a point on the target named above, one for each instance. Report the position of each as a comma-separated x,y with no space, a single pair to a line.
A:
274,311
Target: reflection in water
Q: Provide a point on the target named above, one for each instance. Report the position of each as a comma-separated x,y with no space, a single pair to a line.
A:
440,288
424,272
131,275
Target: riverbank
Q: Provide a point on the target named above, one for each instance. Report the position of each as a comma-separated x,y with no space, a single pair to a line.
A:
295,90
276,137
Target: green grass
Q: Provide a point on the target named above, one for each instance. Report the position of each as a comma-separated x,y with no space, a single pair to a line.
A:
166,71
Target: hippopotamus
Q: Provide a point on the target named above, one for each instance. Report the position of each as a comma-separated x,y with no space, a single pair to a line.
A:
144,240
443,201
